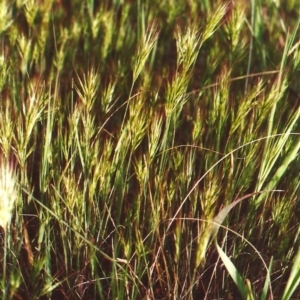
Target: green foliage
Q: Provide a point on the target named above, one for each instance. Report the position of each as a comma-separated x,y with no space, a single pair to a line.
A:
134,130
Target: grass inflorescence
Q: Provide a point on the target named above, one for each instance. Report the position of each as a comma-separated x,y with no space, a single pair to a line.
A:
149,149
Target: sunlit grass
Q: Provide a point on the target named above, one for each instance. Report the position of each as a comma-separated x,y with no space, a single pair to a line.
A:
154,149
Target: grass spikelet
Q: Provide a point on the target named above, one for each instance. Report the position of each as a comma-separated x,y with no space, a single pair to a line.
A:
5,16
8,194
147,44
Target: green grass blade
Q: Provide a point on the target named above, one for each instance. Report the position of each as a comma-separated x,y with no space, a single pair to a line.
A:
267,282
294,279
235,275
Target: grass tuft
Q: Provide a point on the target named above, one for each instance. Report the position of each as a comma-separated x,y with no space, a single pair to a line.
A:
143,147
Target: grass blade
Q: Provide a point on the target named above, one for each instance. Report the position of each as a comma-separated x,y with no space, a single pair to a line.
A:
235,275
294,279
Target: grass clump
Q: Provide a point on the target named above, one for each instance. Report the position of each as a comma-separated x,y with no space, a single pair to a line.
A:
154,149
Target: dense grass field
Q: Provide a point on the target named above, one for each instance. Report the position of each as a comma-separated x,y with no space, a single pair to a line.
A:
149,149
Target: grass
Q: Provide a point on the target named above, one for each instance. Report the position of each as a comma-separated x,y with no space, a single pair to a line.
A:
152,147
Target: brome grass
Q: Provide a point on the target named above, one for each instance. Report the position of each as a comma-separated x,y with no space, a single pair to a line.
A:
153,148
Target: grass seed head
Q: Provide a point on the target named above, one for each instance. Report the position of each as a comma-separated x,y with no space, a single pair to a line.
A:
7,193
